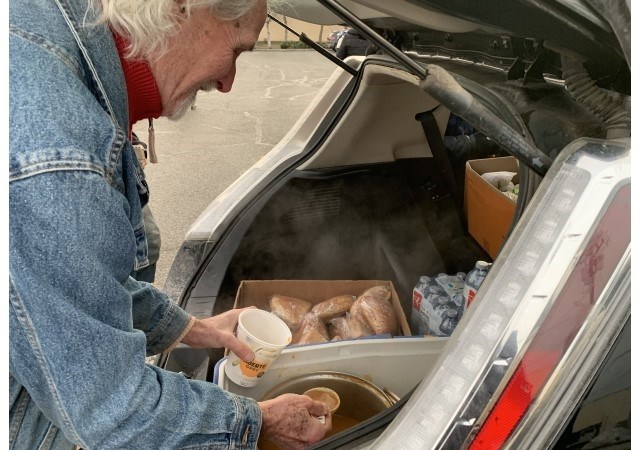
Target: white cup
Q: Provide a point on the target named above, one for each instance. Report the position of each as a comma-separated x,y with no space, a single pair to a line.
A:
266,335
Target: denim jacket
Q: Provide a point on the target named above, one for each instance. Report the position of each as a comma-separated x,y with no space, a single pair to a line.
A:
80,328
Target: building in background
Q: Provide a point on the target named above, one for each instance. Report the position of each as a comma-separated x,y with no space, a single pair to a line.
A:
277,34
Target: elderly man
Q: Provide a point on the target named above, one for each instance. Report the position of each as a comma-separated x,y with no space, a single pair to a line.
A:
80,75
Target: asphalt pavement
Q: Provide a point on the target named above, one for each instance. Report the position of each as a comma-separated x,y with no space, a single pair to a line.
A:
200,155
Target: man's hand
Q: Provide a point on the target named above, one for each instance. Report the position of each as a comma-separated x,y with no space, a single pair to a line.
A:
218,332
291,421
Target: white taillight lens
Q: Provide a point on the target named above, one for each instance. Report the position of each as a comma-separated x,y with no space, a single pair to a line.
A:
604,251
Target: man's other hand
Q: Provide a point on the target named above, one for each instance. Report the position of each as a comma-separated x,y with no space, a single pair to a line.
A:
291,421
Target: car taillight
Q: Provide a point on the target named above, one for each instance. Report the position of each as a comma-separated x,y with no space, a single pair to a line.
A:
531,306
583,287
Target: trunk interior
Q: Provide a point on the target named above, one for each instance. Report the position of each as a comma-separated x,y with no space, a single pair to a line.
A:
371,203
390,221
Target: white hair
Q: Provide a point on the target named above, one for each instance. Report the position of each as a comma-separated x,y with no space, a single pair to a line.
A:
146,24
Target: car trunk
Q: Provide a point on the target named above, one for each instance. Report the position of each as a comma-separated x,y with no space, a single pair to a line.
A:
369,201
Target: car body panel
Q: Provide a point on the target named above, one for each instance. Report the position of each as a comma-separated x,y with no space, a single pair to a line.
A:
312,11
575,25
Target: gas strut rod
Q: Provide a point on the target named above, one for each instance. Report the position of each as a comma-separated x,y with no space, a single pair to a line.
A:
374,37
323,51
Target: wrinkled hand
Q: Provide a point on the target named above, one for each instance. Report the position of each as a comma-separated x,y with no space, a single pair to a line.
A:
290,421
218,332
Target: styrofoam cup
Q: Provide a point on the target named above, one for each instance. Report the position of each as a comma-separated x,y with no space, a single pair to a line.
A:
266,335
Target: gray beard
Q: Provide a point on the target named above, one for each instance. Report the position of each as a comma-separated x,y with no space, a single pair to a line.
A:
183,107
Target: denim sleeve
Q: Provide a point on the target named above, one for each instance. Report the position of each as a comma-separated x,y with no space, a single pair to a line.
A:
156,314
74,342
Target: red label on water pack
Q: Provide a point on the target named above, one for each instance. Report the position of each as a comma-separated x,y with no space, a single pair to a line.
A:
417,299
470,296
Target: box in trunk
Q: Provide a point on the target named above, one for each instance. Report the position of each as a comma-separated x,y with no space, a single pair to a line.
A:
257,293
489,212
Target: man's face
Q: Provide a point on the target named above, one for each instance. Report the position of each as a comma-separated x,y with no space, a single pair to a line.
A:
202,56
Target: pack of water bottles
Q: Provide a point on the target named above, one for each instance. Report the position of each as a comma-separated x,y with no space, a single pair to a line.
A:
440,302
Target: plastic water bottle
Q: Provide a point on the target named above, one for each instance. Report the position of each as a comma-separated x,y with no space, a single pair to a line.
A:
474,279
418,323
440,306
451,284
436,311
460,304
450,322
419,291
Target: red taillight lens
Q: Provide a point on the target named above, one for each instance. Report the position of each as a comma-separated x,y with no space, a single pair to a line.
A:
584,286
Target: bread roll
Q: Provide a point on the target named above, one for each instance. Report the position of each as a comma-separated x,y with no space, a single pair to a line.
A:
379,292
290,309
357,327
311,330
338,328
376,313
334,307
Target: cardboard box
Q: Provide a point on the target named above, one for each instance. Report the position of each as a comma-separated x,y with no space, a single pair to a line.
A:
258,292
488,211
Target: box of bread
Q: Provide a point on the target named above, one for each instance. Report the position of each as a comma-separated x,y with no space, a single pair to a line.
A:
319,311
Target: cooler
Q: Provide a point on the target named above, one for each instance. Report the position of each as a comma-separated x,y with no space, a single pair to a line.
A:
397,364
